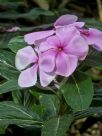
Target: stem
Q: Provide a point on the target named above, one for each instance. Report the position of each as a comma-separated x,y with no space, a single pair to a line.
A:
99,5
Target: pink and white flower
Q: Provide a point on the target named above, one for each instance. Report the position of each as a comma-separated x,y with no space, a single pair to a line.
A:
63,50
28,62
57,51
92,35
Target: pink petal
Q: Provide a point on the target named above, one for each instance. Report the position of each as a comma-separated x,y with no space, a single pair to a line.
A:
65,34
78,47
46,78
65,64
48,44
24,57
65,20
78,24
47,61
28,77
51,43
44,46
31,38
95,38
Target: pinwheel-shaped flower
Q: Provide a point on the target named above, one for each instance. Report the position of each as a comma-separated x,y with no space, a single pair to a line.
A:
28,62
93,36
63,51
56,51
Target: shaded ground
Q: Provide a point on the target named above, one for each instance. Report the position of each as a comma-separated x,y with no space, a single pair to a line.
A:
86,127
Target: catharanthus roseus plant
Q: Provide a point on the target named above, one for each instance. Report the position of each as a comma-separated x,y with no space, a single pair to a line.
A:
59,51
51,68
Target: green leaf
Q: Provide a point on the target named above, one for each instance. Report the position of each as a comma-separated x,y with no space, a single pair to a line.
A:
7,72
9,86
16,43
5,38
50,103
7,65
23,97
7,58
36,12
38,109
97,111
46,90
94,59
97,99
11,113
26,98
92,23
57,126
36,28
78,91
30,15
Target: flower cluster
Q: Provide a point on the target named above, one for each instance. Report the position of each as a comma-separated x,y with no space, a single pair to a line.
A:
55,52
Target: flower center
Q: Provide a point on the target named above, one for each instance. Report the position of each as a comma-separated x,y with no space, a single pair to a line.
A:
37,61
60,49
84,31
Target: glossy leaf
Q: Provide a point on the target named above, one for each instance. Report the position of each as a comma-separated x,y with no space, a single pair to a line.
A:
50,103
23,97
7,58
16,43
78,91
94,59
5,38
9,86
89,112
57,126
93,23
11,113
7,72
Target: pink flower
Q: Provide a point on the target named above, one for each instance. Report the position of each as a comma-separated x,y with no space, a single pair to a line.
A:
63,50
68,20
57,51
36,37
92,36
29,64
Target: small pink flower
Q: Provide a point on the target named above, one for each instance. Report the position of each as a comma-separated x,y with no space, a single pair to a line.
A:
29,64
63,50
92,36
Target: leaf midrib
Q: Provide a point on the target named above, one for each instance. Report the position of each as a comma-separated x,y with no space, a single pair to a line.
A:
78,89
